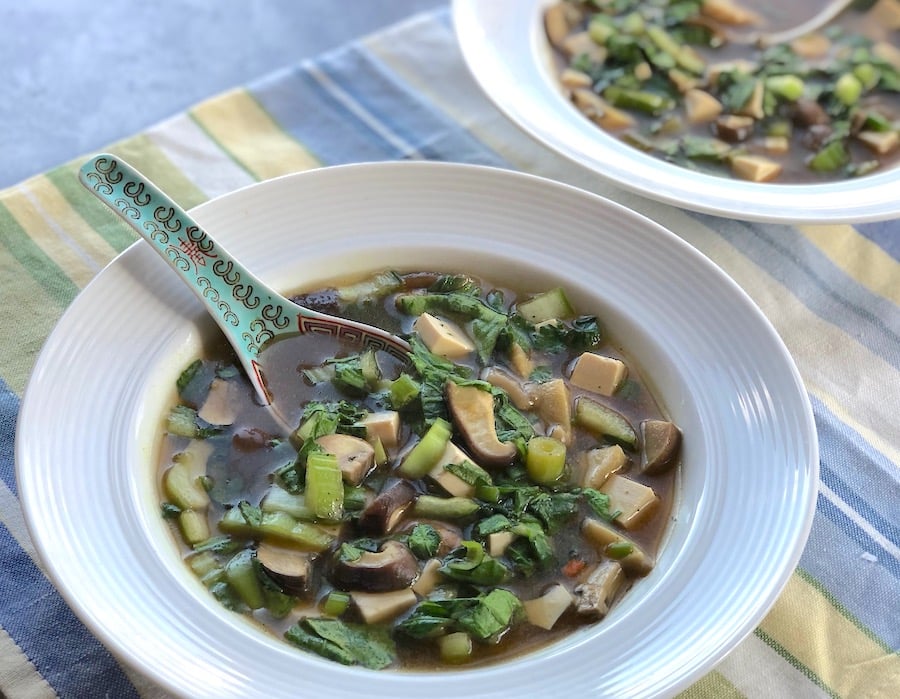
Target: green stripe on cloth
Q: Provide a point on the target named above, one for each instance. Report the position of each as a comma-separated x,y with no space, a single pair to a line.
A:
713,685
59,288
107,225
794,662
28,315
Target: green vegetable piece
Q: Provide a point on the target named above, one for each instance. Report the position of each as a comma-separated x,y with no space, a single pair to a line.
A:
349,644
848,89
830,157
545,459
434,507
424,541
194,526
455,648
182,421
619,549
240,572
424,455
324,486
683,56
336,603
639,100
600,29
789,87
470,564
603,421
550,305
403,390
183,488
494,613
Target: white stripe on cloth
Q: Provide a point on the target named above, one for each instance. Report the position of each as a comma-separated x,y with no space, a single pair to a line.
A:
198,157
20,679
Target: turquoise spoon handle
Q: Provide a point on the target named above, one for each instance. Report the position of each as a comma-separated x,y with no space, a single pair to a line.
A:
249,312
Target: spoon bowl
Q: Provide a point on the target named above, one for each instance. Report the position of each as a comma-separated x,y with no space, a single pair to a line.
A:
764,39
252,315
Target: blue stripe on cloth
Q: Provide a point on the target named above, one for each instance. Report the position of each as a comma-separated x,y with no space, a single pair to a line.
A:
59,646
862,477
883,234
363,112
68,657
850,576
9,411
373,87
818,283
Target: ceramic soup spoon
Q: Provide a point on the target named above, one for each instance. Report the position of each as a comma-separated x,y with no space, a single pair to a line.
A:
252,315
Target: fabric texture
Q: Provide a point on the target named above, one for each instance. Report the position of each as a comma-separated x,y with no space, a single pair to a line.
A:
832,293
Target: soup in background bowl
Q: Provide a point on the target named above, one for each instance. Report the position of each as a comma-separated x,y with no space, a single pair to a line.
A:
91,494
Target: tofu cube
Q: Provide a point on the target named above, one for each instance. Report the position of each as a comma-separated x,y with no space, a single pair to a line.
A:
601,463
546,609
594,372
443,337
634,501
383,425
450,482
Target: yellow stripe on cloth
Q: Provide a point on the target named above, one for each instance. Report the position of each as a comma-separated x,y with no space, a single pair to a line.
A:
54,205
237,122
53,238
713,685
857,666
859,257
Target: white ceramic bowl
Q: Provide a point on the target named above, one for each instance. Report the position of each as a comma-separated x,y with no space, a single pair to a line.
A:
504,44
745,498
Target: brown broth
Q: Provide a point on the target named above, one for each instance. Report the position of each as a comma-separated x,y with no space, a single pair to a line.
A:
238,472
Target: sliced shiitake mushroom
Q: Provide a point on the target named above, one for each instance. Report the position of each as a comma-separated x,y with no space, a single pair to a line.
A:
662,442
392,567
472,409
384,512
289,568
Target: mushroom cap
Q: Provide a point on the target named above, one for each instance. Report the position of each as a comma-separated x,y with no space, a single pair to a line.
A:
384,512
393,567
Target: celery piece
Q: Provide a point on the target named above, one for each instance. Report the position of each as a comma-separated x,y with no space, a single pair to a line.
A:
848,89
455,647
336,603
830,157
545,459
640,100
278,499
240,572
324,486
683,55
550,305
602,420
424,455
379,285
403,390
867,74
600,29
789,87
434,507
194,526
183,488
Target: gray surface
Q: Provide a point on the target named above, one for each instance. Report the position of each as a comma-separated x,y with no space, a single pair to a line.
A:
79,75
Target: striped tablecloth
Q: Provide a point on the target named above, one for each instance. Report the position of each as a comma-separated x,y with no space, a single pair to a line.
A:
832,292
